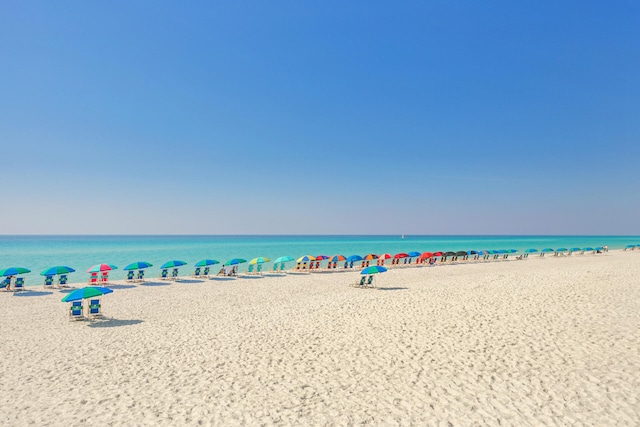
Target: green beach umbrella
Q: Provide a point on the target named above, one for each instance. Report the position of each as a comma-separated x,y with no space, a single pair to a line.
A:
140,265
12,271
173,264
259,260
88,292
59,269
375,269
235,261
283,259
206,262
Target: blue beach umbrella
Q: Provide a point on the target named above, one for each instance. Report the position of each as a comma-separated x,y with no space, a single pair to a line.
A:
13,271
630,246
206,262
140,265
413,254
530,251
545,250
473,252
587,249
513,251
373,269
59,269
574,249
235,261
173,264
353,258
561,250
88,292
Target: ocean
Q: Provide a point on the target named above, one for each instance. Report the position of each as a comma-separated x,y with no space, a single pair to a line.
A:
81,252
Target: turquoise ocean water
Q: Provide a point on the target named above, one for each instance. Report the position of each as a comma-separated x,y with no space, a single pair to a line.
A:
81,252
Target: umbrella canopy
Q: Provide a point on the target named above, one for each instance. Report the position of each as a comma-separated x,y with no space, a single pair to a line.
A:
449,254
235,261
259,260
306,258
561,250
385,256
101,267
369,257
548,250
373,269
575,249
513,251
413,254
353,258
59,269
461,253
173,264
530,251
439,253
400,255
587,249
283,259
206,262
472,252
88,292
12,271
337,258
630,246
140,265
426,255
321,257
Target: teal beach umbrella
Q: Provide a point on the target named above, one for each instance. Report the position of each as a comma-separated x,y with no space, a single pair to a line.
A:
88,292
530,251
59,269
235,261
12,271
545,250
373,269
283,259
140,265
173,264
259,260
206,262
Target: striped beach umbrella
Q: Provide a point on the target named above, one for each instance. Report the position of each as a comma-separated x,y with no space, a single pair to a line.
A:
173,264
13,271
337,258
139,265
369,257
235,261
206,263
306,258
101,267
87,292
59,269
374,269
259,260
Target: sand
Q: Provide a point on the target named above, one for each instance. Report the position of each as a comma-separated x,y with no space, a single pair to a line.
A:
551,341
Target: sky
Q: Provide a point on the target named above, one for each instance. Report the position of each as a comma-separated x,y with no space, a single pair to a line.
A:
300,117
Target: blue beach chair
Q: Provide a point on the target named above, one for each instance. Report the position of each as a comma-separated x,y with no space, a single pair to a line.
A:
48,282
95,309
140,276
19,285
205,272
164,274
174,274
75,311
130,276
62,281
196,273
362,281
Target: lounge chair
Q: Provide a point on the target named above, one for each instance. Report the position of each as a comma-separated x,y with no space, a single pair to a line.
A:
130,276
196,273
275,267
164,274
19,285
93,279
362,281
76,311
48,282
140,277
174,274
259,269
205,272
369,281
95,309
6,283
250,269
62,280
104,278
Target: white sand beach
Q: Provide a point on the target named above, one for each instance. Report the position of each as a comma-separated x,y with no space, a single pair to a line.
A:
543,341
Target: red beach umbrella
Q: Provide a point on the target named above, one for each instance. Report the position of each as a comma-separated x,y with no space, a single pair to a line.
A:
101,267
426,255
321,257
384,256
400,255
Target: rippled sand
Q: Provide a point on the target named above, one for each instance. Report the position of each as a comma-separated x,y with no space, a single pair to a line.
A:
553,341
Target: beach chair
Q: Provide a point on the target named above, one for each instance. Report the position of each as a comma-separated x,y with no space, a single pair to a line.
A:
221,272
93,279
95,309
19,285
104,278
174,274
205,272
361,282
164,274
259,269
140,277
250,269
369,281
197,272
48,282
275,267
6,283
62,280
76,311
130,276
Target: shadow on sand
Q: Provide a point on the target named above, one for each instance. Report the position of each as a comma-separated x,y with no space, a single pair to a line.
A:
154,284
120,286
392,289
223,278
189,281
112,323
30,293
251,277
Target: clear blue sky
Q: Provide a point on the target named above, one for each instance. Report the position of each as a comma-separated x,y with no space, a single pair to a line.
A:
432,117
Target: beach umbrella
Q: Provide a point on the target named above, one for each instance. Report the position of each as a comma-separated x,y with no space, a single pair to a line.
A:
426,255
472,252
337,258
321,257
385,256
513,251
235,261
306,258
574,249
438,253
400,255
259,260
206,262
630,246
88,292
530,251
373,269
369,257
283,259
140,265
353,258
545,250
449,254
413,254
561,250
12,271
59,269
101,267
173,264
